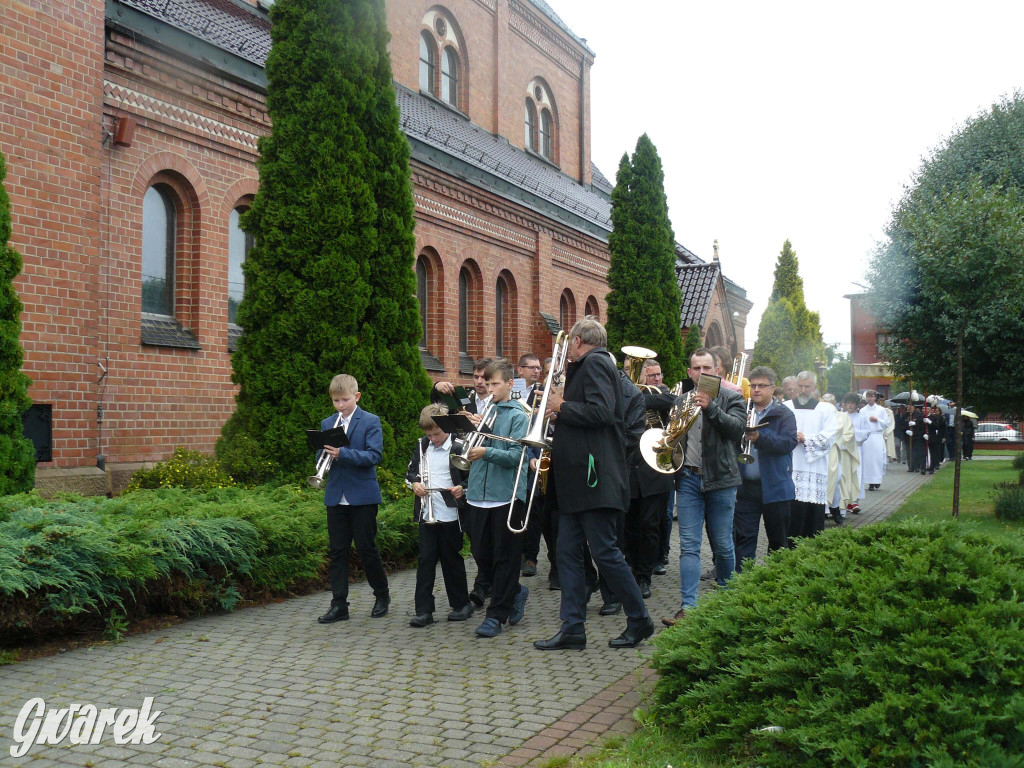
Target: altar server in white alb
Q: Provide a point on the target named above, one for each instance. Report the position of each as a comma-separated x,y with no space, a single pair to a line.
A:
874,419
816,432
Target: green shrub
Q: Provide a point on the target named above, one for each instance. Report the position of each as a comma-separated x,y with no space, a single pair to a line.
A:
185,469
898,644
1018,462
243,458
1010,501
76,563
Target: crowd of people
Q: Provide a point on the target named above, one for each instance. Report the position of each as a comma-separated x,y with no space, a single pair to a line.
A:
562,456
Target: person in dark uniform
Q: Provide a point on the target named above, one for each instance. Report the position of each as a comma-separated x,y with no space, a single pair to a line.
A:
590,484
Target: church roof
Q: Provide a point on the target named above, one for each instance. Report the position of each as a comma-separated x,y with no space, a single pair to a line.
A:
697,287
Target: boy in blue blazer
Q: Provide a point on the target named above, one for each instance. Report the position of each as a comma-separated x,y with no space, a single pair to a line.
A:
351,498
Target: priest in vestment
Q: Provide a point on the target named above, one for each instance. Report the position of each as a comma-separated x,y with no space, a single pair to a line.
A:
816,432
874,421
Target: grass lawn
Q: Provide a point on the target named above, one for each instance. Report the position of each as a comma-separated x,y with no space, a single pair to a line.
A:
934,500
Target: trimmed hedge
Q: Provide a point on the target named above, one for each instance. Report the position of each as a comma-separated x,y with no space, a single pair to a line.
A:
898,644
70,564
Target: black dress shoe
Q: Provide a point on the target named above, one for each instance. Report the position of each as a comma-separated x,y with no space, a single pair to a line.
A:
645,588
421,620
561,640
632,637
554,584
659,569
380,607
335,613
479,597
462,613
610,609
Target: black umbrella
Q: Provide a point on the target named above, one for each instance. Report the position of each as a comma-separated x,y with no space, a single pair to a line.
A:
903,398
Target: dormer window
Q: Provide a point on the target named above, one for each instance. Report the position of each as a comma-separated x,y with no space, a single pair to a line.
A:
541,127
440,35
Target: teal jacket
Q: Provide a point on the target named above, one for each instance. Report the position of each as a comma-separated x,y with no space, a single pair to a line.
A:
492,477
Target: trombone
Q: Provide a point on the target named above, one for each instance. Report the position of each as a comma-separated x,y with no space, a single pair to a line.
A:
323,464
537,435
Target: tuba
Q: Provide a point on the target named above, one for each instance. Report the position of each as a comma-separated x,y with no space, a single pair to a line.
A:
636,357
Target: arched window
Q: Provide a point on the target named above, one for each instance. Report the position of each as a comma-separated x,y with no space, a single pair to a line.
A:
450,76
239,245
566,310
428,62
423,296
159,222
529,140
544,140
463,311
500,313
593,308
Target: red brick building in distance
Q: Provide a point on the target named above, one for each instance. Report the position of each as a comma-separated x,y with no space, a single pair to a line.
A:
130,128
870,369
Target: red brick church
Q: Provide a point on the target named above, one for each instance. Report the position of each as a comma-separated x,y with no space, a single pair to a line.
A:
130,130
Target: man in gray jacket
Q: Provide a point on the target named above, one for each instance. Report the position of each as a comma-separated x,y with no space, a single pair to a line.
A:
706,485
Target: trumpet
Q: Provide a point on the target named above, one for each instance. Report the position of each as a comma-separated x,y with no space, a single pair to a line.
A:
537,435
746,454
427,505
323,464
462,446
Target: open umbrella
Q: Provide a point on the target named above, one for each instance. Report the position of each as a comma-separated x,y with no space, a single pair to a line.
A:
969,414
904,398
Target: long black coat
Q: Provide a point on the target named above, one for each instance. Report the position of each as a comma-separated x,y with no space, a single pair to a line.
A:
588,458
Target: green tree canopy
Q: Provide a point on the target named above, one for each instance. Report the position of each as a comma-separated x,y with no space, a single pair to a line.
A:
644,301
329,282
17,455
789,337
948,267
693,342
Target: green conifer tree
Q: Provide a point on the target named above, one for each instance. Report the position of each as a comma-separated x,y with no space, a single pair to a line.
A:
693,342
800,342
330,286
17,455
644,301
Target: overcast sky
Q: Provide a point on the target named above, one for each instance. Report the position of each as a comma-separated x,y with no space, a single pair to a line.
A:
798,120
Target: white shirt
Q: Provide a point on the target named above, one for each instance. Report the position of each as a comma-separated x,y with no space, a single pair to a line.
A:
440,476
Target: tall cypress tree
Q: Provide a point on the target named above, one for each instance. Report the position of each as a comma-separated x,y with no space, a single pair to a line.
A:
789,336
17,456
329,282
693,343
644,301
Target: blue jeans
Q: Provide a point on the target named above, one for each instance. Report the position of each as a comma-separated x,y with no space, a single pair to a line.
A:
693,505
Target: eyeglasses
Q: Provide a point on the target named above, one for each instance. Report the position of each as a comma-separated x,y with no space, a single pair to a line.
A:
532,367
653,375
762,386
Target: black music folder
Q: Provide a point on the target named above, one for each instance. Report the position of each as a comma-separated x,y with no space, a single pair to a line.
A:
320,438
454,423
457,401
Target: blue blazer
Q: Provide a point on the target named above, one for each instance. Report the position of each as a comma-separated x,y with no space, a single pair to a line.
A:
774,446
354,473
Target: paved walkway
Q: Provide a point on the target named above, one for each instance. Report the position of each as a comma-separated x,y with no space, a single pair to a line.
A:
268,685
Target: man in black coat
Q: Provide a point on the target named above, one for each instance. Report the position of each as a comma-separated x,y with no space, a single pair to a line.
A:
589,477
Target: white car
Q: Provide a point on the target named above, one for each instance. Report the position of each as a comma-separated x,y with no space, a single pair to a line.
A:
993,431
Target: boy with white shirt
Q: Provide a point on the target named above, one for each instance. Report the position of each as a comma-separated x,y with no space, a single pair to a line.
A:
441,539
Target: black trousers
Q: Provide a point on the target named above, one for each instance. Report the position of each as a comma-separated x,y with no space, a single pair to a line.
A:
805,519
441,541
665,528
608,593
746,522
358,523
968,446
937,449
918,450
498,553
543,522
643,533
595,527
